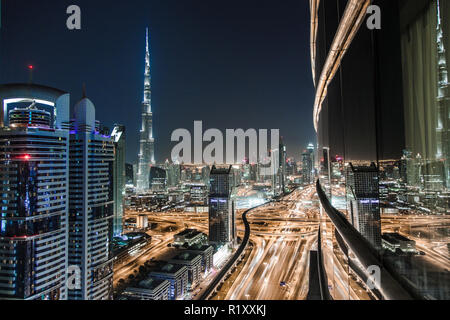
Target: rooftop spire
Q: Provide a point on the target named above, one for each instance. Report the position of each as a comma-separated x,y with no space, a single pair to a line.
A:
146,154
147,52
147,79
146,40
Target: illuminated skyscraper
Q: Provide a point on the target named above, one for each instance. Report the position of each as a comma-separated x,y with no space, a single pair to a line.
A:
91,205
129,173
118,135
282,167
146,154
173,174
443,96
291,167
364,202
158,179
308,164
34,146
222,229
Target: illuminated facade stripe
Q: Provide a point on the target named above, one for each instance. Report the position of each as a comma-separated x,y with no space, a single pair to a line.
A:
314,7
348,27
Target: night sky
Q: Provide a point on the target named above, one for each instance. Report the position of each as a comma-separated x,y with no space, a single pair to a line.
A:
232,64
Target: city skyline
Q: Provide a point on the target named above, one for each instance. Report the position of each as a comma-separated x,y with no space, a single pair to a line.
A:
245,152
208,59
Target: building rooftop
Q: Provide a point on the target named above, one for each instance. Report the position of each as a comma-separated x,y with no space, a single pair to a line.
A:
394,237
199,247
185,256
371,168
151,283
170,268
188,233
33,88
219,170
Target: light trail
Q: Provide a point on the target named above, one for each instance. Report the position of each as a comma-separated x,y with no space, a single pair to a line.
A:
281,250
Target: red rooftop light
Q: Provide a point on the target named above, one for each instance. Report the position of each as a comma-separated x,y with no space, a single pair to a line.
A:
30,67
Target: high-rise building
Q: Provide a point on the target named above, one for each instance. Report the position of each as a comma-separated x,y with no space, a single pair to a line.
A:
34,146
135,171
364,202
282,167
195,174
272,169
129,174
91,205
158,179
198,193
254,174
291,167
147,152
173,174
205,175
236,179
443,99
312,151
118,134
246,174
308,164
222,228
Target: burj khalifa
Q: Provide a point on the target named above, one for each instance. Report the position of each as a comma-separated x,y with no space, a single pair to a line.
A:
147,142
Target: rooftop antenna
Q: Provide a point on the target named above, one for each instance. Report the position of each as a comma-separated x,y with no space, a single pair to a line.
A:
84,91
30,68
32,105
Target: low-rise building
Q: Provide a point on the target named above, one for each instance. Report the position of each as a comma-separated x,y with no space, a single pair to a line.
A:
196,209
193,263
129,244
149,289
395,241
189,237
198,193
130,223
177,275
142,222
206,252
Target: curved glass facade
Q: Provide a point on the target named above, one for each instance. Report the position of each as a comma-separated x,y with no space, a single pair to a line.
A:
382,118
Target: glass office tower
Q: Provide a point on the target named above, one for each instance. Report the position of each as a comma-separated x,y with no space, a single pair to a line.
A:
222,228
364,202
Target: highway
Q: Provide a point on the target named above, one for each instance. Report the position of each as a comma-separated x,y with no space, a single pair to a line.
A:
232,261
169,223
276,264
282,234
431,234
